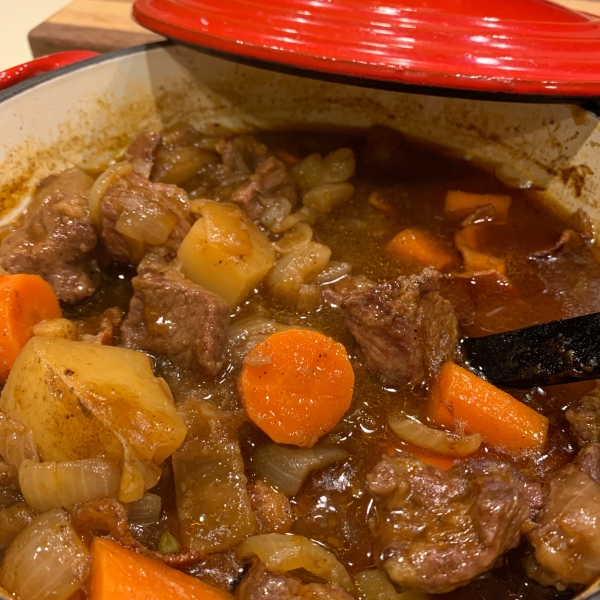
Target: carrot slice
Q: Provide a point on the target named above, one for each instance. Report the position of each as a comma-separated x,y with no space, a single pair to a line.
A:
121,573
462,401
296,385
416,244
461,204
24,301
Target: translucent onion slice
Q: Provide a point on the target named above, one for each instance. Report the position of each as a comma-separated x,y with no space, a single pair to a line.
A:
287,468
443,442
100,186
54,485
12,521
281,553
146,510
16,443
375,585
46,560
151,227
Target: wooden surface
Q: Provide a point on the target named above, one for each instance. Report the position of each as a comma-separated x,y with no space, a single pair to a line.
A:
99,25
104,25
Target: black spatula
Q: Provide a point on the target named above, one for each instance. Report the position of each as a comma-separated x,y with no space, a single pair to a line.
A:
557,352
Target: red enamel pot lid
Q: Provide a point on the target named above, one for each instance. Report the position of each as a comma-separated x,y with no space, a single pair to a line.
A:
514,47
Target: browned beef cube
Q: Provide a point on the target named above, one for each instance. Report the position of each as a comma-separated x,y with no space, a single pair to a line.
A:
57,240
139,215
404,327
172,316
436,530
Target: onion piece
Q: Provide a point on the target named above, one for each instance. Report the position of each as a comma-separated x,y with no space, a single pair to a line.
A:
12,521
100,186
287,468
281,553
298,237
46,560
146,510
443,442
150,226
16,443
49,485
374,584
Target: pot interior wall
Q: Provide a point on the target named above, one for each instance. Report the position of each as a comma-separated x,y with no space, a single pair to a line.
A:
87,115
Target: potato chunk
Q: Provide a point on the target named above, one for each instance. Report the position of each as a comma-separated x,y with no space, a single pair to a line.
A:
86,400
225,252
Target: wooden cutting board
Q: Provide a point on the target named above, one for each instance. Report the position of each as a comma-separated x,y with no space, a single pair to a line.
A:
99,25
104,25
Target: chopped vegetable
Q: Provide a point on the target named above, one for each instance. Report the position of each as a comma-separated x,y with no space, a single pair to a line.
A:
46,560
50,485
86,400
12,521
146,510
24,301
60,328
443,442
296,385
168,543
213,505
225,252
292,276
461,401
287,468
461,204
314,170
121,573
102,183
324,198
16,443
428,457
413,243
374,584
281,553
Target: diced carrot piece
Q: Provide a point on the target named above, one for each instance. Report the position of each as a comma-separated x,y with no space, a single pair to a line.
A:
462,401
416,244
429,458
296,385
461,204
121,573
24,301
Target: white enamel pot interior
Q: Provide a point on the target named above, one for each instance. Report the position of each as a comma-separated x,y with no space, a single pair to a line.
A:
86,113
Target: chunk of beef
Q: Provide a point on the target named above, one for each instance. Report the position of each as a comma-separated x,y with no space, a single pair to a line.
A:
566,535
271,508
139,215
57,240
172,316
142,151
269,186
436,530
404,327
241,155
260,584
584,418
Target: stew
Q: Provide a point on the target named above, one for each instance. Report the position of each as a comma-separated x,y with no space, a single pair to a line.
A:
231,366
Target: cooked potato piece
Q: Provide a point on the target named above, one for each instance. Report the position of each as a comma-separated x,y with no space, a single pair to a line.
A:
87,400
225,252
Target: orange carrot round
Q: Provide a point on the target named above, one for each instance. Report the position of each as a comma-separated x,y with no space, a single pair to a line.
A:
24,301
296,385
